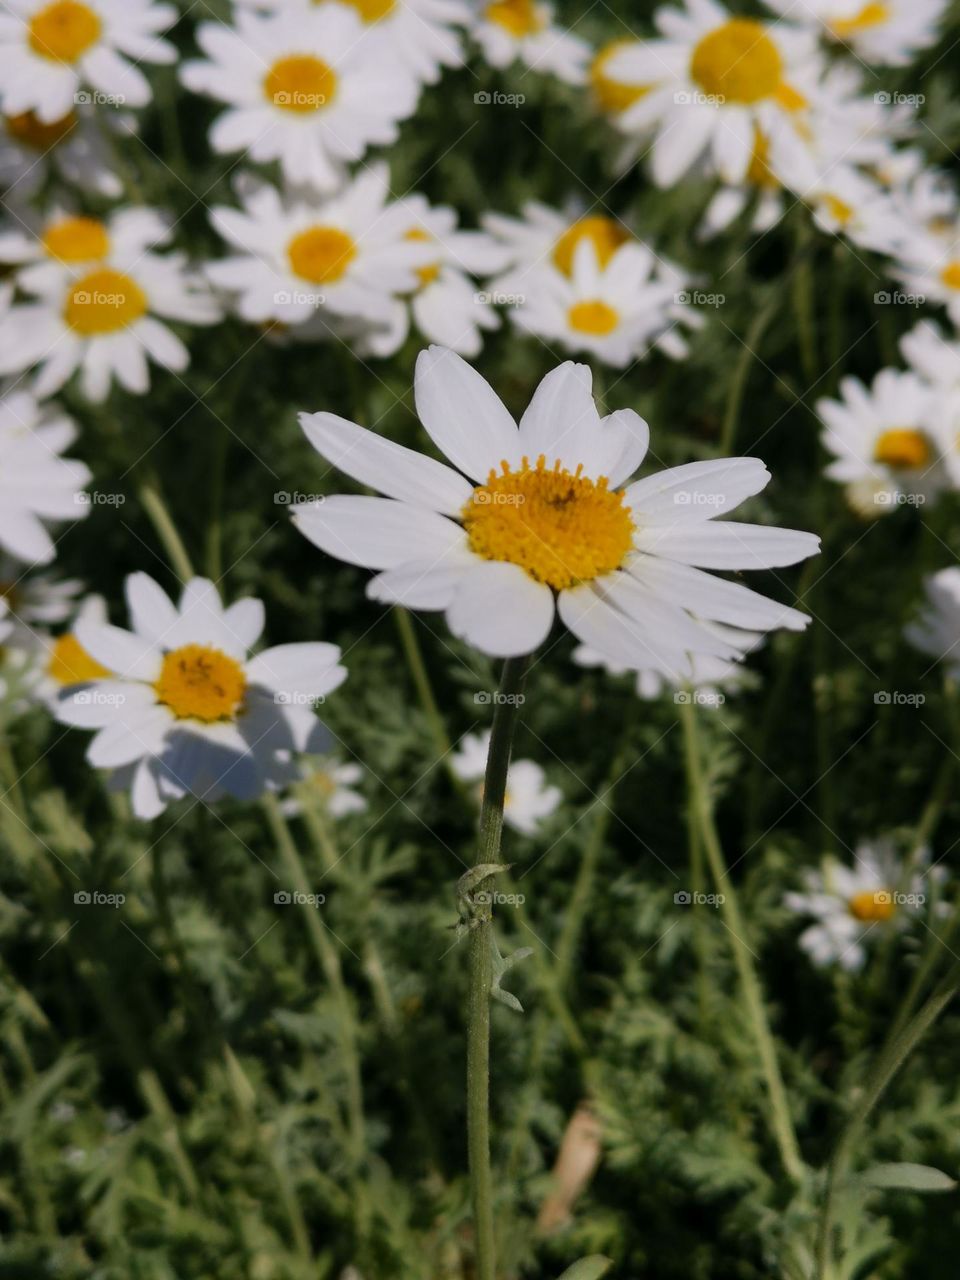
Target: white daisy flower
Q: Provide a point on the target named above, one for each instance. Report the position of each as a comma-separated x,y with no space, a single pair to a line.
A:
937,630
616,313
51,51
104,319
890,32
309,87
932,356
929,264
62,660
714,80
37,485
45,247
328,785
529,798
347,255
422,34
711,678
508,31
187,710
72,149
852,905
536,521
885,440
845,202
613,97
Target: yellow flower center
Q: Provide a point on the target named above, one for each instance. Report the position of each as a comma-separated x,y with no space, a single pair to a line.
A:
872,905
758,170
903,448
64,31
321,254
76,240
789,98
605,234
612,95
737,62
300,83
518,18
198,682
594,316
103,302
323,783
838,209
559,526
69,662
950,275
30,131
372,10
426,275
871,15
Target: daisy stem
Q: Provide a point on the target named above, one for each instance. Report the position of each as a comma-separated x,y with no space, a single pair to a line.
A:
505,718
428,703
738,386
783,1129
166,530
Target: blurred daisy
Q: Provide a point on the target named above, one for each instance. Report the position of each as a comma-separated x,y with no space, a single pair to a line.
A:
347,255
710,680
101,319
613,97
616,313
714,81
51,49
524,30
186,710
72,149
37,485
845,202
548,237
63,662
543,525
929,264
853,904
890,32
310,87
529,799
42,246
327,785
937,631
933,356
886,441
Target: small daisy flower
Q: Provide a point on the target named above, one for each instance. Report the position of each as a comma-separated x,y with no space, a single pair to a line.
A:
937,630
186,709
542,236
52,50
42,248
616,313
929,265
889,32
885,441
327,785
714,81
104,319
936,359
542,519
62,661
37,485
310,87
856,906
710,680
72,149
529,798
509,31
613,97
347,255
845,202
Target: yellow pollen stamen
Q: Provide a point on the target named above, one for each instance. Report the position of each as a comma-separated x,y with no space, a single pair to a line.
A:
69,662
737,62
30,131
613,96
426,275
903,448
372,10
198,682
872,905
605,234
321,254
873,14
300,83
103,302
64,31
950,275
594,316
76,240
559,526
518,18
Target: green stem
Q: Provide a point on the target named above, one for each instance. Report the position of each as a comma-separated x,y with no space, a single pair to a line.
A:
505,719
421,680
783,1129
738,386
162,521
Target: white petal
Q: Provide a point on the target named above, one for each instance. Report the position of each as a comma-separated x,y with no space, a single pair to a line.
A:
501,610
377,532
622,640
714,598
120,651
127,740
697,490
462,414
310,669
725,544
561,421
152,613
245,621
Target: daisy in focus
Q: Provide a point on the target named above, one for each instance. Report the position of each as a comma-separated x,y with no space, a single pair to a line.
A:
72,149
38,486
184,708
50,50
539,520
889,32
936,631
325,784
855,907
308,86
529,798
509,31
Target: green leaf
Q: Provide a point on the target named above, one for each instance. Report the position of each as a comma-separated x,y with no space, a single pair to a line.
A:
905,1177
588,1268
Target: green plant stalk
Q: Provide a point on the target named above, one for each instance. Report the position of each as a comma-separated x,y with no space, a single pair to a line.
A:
738,385
898,1047
782,1123
166,530
505,718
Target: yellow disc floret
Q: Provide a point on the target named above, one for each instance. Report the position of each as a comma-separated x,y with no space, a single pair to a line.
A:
300,83
737,62
559,526
518,18
593,316
903,448
104,301
427,274
76,240
613,96
31,132
372,10
872,905
321,254
873,14
605,234
950,275
69,662
64,31
198,682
